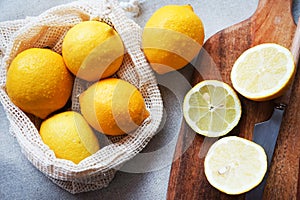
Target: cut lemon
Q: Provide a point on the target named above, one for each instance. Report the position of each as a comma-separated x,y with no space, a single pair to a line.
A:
263,72
235,165
212,108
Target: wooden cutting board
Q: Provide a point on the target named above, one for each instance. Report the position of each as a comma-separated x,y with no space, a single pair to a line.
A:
272,22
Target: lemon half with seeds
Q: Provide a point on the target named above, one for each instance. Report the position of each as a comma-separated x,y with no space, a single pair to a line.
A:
235,165
212,108
263,72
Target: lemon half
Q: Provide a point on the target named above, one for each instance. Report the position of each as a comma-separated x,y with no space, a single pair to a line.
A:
212,108
263,72
235,165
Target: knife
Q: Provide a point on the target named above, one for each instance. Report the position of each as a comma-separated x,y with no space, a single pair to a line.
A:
266,133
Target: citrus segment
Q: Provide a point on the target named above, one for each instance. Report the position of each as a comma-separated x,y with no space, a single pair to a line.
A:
211,108
235,165
263,72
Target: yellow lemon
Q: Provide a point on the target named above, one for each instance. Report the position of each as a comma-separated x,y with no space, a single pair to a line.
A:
38,82
235,165
92,50
212,108
263,72
172,37
113,106
69,136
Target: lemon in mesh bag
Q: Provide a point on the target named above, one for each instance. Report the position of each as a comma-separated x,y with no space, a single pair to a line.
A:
38,81
92,50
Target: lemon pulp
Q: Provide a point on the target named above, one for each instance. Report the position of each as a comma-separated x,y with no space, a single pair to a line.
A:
212,108
263,72
235,165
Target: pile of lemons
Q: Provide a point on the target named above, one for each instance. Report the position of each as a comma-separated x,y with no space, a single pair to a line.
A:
40,81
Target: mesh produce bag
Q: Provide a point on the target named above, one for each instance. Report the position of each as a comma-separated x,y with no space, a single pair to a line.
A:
48,30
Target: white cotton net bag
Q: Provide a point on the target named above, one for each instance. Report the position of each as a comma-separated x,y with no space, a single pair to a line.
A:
48,30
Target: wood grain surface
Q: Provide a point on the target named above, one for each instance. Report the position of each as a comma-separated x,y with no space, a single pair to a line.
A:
272,22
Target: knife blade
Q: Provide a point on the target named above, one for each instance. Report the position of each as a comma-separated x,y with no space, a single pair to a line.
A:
266,133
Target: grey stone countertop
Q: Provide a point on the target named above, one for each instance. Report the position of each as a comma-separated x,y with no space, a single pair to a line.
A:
19,179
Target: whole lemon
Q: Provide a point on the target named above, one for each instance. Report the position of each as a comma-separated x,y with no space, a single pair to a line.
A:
113,106
38,81
172,37
92,50
69,136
